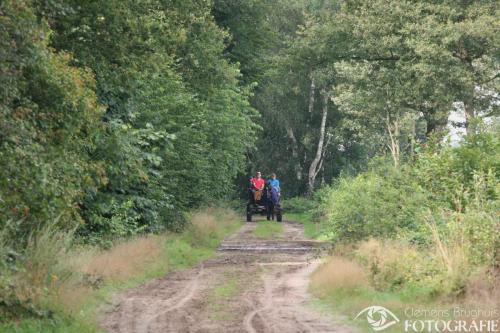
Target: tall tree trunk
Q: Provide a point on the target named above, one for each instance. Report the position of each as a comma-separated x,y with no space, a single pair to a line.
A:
295,153
413,138
311,96
469,117
393,129
315,164
298,166
436,121
463,55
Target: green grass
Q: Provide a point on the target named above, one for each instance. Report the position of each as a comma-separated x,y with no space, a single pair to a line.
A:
268,229
218,299
182,250
227,289
311,228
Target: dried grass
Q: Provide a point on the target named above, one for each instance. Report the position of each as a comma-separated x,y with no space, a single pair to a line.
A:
71,296
92,268
204,222
386,252
452,254
338,273
209,224
124,260
56,275
483,288
41,270
223,216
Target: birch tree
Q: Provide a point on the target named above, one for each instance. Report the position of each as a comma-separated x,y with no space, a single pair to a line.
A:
317,162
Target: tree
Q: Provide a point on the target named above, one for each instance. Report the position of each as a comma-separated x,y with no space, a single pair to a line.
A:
170,97
319,157
401,62
462,38
445,51
162,128
50,122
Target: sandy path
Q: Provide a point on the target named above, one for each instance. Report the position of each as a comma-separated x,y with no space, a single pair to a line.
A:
266,291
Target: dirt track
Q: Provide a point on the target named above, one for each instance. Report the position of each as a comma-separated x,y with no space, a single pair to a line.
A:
252,285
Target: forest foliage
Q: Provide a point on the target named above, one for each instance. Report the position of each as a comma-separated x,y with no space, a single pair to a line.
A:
120,116
385,75
356,99
116,116
426,230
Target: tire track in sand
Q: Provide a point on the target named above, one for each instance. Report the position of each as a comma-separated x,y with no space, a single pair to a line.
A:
247,321
273,283
135,314
270,293
184,296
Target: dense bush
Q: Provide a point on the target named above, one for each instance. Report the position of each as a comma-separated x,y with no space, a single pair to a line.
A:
437,216
456,177
371,204
387,201
178,122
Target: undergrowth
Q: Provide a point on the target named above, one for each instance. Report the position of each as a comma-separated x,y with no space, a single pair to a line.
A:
58,288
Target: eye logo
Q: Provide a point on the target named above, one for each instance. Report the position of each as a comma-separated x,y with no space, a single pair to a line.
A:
379,317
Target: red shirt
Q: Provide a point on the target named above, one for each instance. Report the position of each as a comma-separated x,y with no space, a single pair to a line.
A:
258,183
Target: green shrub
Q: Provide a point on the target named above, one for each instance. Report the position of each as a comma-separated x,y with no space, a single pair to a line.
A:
436,220
371,205
111,222
298,205
450,175
482,231
387,202
402,267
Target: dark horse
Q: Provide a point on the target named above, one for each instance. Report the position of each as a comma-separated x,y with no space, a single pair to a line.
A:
273,203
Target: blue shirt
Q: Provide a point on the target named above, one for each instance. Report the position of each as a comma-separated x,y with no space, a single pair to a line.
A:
274,183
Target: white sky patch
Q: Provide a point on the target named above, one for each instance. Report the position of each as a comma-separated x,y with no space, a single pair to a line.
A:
455,126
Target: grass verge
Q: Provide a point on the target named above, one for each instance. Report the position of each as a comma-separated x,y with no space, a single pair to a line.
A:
341,286
413,283
268,229
91,277
311,228
344,287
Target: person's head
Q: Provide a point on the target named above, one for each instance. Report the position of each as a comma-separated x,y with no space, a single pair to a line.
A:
258,174
273,175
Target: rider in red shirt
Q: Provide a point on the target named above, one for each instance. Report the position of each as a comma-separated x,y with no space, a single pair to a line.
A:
258,182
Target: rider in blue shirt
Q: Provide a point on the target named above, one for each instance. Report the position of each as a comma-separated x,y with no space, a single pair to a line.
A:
274,183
